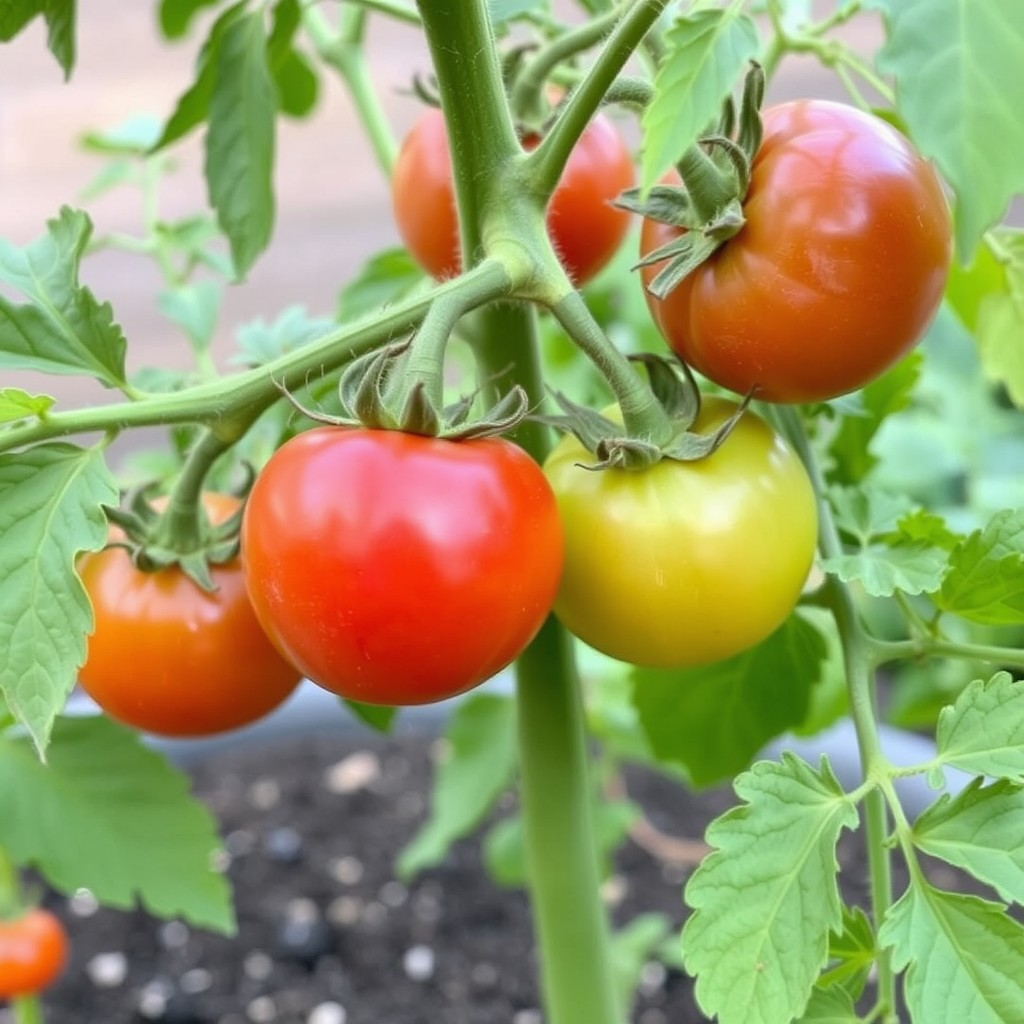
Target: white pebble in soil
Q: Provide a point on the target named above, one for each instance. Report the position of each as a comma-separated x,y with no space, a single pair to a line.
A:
352,773
258,966
653,1016
107,970
174,934
418,963
261,1010
393,894
265,794
484,975
528,1017
83,903
327,1013
344,910
346,870
195,981
240,842
153,999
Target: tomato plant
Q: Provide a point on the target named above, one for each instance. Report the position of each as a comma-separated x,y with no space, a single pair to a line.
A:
686,562
585,228
172,659
33,951
837,272
435,561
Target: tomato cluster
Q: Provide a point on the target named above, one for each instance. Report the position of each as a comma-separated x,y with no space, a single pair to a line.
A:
33,951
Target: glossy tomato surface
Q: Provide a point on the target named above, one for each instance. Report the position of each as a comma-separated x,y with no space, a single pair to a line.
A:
684,563
33,951
584,227
171,659
837,272
399,569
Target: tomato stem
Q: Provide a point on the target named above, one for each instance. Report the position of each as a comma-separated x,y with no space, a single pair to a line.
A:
10,887
527,93
940,647
228,402
860,682
343,51
545,164
27,1010
642,416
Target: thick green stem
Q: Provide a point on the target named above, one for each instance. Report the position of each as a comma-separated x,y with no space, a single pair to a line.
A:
860,681
229,401
557,792
481,134
27,1010
642,416
546,163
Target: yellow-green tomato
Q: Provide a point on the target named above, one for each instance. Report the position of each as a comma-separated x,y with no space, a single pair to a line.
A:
684,563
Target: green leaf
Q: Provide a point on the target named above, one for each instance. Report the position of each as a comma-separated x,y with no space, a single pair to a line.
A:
958,72
15,15
294,79
851,447
194,308
176,15
135,136
989,299
983,732
633,947
852,954
377,716
109,815
985,582
713,719
60,31
477,768
193,105
830,1006
260,342
866,512
705,54
505,844
964,957
386,277
882,571
766,898
979,830
240,141
16,404
51,499
65,330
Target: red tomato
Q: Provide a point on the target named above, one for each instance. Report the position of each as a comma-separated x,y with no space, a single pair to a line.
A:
584,227
837,272
399,569
33,951
171,659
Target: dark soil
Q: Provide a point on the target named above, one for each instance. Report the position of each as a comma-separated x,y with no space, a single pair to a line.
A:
326,934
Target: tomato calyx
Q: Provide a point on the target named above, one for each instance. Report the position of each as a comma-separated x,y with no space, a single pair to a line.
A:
147,531
372,395
708,206
676,391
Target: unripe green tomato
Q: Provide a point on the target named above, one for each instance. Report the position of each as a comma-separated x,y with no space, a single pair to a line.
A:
684,563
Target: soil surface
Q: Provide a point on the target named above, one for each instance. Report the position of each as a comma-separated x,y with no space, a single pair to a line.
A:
326,933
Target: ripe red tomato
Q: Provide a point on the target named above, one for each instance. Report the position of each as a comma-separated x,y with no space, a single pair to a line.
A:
33,951
584,227
399,569
837,272
171,659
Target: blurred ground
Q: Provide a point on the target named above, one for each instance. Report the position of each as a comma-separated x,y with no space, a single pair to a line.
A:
333,207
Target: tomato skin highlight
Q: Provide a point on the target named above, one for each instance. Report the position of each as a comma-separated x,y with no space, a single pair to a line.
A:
837,273
33,952
399,569
684,563
170,659
585,229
